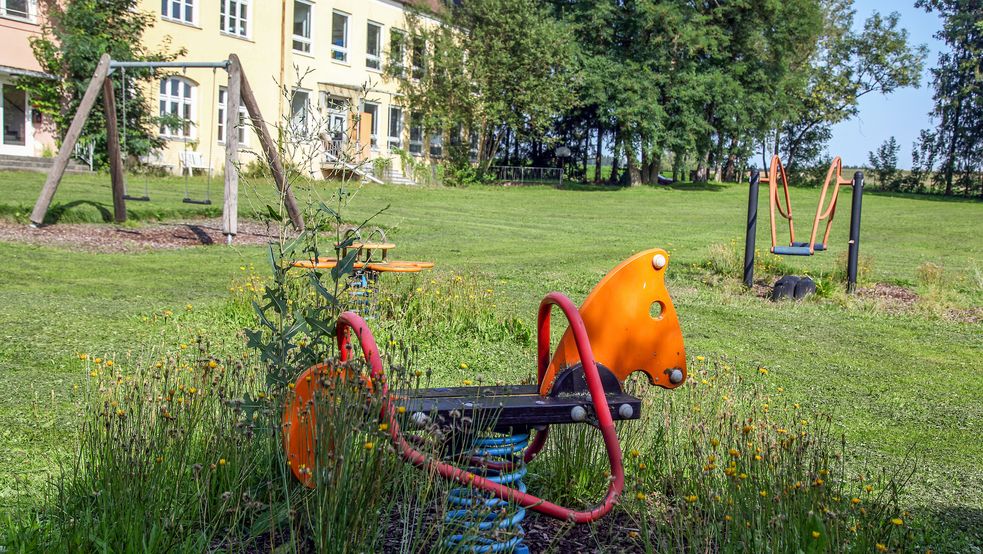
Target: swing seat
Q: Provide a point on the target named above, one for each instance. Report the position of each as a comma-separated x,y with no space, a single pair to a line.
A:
136,198
200,202
791,251
818,247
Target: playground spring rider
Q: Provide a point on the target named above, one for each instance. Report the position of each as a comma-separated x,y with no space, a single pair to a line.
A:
371,260
790,285
626,324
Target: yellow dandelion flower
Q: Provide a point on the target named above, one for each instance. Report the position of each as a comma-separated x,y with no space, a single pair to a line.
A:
743,476
184,346
97,360
700,358
748,429
635,453
467,382
881,547
93,373
401,409
692,498
762,371
464,365
369,445
383,427
221,461
642,465
734,452
816,534
897,521
869,488
417,373
712,458
757,457
763,493
727,518
640,496
855,500
714,442
212,364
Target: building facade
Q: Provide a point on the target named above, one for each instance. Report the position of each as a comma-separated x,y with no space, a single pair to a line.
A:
317,67
23,132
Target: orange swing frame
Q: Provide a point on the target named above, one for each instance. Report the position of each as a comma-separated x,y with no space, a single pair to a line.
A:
834,177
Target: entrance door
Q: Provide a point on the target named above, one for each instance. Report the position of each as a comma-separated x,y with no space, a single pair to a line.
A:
15,121
337,123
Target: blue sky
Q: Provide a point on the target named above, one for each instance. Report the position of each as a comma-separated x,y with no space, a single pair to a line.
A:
903,113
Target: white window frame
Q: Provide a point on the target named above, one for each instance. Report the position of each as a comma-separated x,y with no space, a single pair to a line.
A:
307,41
416,146
169,100
395,116
339,53
243,115
233,21
398,63
418,64
374,131
307,112
376,58
436,144
31,16
181,16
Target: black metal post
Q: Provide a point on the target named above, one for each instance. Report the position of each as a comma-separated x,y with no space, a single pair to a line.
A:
752,227
854,250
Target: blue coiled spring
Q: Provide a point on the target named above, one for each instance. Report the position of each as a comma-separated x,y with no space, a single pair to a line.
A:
486,523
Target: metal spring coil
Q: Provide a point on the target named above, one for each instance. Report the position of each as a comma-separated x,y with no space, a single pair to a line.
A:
362,291
489,524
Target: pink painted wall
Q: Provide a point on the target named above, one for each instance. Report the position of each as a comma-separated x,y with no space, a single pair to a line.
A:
16,50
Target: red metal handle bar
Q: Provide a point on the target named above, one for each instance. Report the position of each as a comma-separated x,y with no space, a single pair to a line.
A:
351,321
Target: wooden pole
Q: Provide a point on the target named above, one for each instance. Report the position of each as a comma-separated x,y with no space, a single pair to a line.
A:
68,145
269,147
230,209
115,155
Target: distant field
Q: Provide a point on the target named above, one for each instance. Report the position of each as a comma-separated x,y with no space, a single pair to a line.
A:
899,382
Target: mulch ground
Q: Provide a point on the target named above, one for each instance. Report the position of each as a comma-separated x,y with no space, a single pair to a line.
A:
95,237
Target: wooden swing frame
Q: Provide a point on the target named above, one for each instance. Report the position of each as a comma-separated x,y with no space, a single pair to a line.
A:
239,92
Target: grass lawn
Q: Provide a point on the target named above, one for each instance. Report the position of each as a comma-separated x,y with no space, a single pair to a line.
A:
901,384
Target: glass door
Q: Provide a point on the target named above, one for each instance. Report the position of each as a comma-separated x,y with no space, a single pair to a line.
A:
15,120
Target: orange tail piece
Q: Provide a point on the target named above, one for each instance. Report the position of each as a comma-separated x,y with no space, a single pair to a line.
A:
631,323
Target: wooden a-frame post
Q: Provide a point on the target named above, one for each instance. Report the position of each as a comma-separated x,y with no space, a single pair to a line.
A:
115,155
269,147
230,207
68,145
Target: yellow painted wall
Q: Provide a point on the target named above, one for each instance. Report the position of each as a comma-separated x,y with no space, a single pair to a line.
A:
268,59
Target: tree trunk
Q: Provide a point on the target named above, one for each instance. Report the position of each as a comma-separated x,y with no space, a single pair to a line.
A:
508,143
646,167
950,161
616,162
729,174
599,155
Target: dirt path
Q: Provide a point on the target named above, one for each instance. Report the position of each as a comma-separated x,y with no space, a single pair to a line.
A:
112,238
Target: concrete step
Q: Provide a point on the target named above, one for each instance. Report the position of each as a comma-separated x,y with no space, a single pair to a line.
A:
30,163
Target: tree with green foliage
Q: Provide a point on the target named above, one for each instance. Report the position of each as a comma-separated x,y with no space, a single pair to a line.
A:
76,34
957,142
492,67
884,164
845,66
